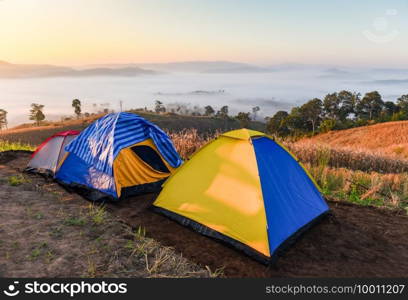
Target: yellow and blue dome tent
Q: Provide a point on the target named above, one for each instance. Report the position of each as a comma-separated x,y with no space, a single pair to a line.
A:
244,189
119,155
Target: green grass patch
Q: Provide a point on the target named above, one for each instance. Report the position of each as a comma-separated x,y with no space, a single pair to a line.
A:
56,232
38,250
35,253
368,201
74,221
97,214
8,146
39,216
17,180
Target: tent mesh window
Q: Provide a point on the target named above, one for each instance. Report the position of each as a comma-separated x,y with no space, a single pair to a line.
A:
150,157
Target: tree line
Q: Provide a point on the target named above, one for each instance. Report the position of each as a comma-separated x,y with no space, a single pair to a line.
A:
36,113
339,110
244,118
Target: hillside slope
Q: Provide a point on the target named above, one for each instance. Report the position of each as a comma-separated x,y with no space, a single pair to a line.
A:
27,133
389,138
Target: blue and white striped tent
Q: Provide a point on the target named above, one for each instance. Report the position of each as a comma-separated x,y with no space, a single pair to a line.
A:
119,155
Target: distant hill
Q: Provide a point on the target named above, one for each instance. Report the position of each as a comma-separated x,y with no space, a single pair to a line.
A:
8,70
125,72
196,67
390,138
2,62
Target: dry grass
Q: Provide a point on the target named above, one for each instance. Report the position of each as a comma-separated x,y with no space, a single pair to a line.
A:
356,176
161,261
308,151
189,141
385,139
380,148
364,188
33,136
352,173
30,134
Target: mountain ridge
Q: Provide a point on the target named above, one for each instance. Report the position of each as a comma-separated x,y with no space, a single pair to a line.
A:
10,71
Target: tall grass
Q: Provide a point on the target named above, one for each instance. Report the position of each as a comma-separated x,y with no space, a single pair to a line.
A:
354,159
385,139
189,141
349,175
7,146
361,187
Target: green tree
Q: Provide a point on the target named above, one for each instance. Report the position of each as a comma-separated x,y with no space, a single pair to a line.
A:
3,119
331,106
278,124
159,107
339,106
255,111
402,103
327,125
370,106
295,122
391,108
76,104
209,111
311,113
348,101
223,112
36,113
244,119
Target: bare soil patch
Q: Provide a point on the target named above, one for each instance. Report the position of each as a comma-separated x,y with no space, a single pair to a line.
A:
47,232
355,241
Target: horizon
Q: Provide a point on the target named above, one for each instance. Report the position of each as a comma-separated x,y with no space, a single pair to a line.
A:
77,33
173,62
266,65
292,51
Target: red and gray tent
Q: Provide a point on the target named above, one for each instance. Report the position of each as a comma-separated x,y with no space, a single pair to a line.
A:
49,154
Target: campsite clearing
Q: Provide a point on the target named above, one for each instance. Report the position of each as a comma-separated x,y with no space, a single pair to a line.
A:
46,231
355,241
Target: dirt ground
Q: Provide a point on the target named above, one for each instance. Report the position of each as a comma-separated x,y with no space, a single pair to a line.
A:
47,232
354,241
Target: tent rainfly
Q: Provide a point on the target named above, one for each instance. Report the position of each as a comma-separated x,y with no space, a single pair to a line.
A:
119,155
47,157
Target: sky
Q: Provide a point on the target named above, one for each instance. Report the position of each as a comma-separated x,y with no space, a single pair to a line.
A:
77,32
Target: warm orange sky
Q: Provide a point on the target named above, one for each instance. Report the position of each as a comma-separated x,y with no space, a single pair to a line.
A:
74,32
